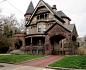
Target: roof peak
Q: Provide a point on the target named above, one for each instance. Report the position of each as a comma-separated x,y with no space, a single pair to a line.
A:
30,8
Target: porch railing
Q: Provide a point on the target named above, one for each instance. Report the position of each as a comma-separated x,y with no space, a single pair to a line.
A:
35,47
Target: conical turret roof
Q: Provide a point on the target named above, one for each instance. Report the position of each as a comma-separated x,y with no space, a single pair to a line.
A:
30,9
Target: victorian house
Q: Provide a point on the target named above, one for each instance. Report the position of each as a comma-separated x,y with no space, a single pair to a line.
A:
49,31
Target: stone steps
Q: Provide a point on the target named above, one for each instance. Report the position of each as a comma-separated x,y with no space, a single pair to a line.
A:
17,52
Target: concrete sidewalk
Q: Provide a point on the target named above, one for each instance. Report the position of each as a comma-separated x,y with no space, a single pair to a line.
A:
20,67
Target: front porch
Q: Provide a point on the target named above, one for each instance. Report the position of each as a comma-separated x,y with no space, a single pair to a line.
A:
35,45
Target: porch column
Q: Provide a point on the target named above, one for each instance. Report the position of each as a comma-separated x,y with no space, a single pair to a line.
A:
63,47
39,17
44,16
31,46
59,48
37,51
31,40
47,45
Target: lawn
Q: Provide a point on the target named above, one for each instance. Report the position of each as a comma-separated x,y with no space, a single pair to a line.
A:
18,58
76,62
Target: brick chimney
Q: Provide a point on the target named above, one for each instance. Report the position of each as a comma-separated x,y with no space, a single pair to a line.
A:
54,8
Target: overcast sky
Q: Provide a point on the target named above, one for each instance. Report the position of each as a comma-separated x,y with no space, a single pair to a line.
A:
75,9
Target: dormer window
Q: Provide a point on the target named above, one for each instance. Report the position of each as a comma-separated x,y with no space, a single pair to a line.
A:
26,20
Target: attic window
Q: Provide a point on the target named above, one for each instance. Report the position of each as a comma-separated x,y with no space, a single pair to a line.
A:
42,16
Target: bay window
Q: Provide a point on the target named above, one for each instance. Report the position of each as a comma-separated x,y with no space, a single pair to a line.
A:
44,27
39,28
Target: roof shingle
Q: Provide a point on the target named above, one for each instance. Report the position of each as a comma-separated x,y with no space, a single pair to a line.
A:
30,9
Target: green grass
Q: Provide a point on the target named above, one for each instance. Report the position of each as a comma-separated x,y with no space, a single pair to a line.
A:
76,62
18,58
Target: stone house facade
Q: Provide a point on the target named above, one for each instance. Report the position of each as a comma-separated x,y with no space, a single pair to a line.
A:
49,31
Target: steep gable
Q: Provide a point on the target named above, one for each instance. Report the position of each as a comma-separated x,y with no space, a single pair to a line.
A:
41,4
30,9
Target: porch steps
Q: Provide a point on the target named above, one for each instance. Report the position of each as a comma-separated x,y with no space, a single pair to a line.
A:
54,53
17,52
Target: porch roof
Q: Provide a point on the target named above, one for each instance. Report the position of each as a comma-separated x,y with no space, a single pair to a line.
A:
37,34
58,24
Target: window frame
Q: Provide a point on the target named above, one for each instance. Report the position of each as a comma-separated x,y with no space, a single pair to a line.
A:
26,21
44,28
39,28
27,31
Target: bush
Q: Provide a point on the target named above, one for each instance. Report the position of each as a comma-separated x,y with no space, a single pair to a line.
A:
30,54
80,51
4,49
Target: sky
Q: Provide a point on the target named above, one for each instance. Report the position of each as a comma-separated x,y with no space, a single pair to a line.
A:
75,9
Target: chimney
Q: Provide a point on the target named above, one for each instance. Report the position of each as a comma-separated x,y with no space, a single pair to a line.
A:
54,6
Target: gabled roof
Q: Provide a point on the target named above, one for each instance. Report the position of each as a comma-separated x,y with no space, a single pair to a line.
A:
69,27
62,15
59,25
30,9
54,12
49,8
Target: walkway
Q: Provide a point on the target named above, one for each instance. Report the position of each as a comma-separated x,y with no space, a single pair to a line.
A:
20,67
43,62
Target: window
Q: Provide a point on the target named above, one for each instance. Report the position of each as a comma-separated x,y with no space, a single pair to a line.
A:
37,17
39,28
44,27
27,31
27,20
42,16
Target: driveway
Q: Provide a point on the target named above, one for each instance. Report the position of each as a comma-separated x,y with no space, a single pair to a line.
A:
20,67
43,62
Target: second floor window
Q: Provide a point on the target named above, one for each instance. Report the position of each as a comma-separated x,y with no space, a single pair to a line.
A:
44,27
39,28
27,31
27,20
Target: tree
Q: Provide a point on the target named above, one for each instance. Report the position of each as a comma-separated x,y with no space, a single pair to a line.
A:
15,31
1,27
